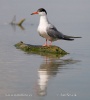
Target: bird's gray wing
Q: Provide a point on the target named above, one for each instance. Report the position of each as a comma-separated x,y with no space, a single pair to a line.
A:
54,33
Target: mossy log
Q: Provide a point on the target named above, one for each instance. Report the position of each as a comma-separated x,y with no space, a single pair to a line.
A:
38,49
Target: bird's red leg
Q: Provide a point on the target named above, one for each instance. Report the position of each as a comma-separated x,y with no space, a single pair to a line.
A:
45,43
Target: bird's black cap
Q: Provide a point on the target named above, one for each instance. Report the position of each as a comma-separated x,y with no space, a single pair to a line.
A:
42,10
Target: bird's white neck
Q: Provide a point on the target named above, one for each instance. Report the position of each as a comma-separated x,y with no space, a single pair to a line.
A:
43,20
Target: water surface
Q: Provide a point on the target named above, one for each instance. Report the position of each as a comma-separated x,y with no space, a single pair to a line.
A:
34,77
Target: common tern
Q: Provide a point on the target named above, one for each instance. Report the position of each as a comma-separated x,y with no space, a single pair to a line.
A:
48,30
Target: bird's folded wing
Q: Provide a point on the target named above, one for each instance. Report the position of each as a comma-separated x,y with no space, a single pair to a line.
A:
53,32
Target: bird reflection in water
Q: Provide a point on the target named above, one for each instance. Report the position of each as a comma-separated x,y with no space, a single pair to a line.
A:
49,68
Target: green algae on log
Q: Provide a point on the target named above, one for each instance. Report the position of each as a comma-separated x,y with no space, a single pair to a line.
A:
37,49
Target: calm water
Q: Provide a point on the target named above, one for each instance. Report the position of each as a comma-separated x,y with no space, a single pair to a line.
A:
45,77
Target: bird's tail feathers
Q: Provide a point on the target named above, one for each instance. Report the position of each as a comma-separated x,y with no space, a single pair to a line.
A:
70,38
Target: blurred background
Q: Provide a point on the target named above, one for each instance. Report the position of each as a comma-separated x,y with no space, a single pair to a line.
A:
44,76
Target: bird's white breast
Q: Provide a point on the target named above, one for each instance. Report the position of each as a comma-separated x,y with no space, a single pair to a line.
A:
42,32
42,28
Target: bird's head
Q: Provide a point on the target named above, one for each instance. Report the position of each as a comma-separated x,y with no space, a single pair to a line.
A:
41,12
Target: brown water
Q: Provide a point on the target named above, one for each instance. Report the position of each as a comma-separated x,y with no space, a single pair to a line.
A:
36,77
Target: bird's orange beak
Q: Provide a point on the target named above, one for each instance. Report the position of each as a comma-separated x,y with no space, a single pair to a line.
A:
34,13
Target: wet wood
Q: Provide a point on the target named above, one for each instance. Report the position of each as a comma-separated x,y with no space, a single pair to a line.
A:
38,49
21,21
13,22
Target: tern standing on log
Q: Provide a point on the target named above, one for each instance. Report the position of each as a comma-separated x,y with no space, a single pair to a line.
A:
49,31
